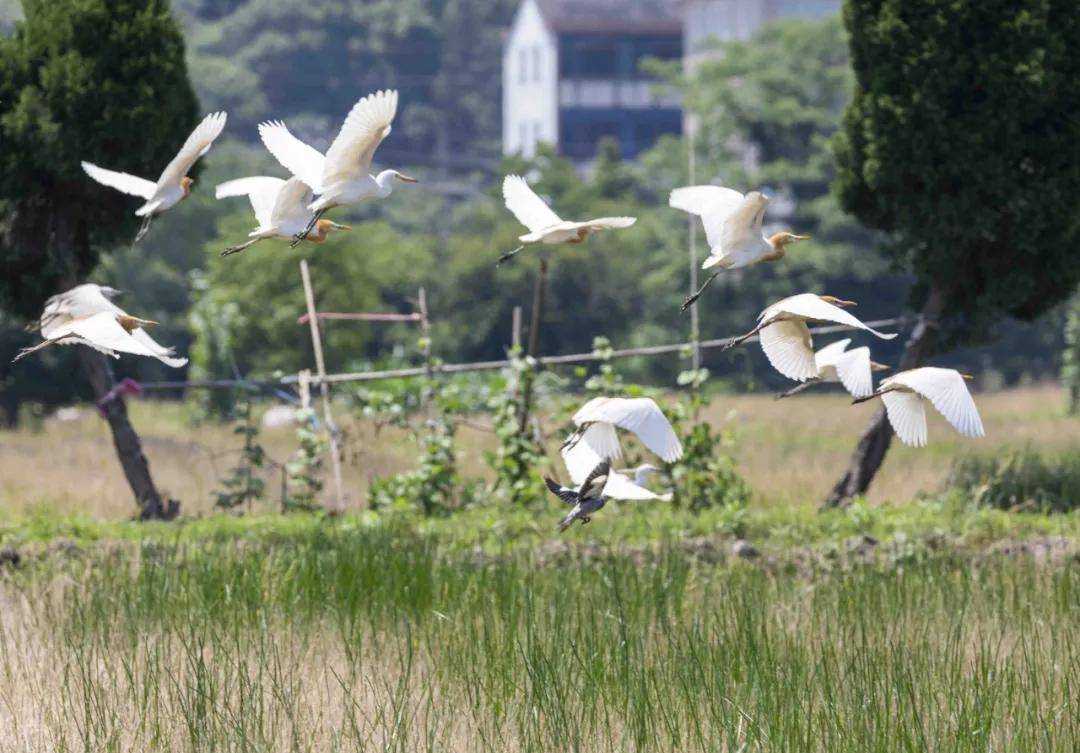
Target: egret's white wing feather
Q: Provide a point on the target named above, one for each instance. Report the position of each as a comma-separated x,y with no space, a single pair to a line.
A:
907,414
261,190
598,443
947,392
365,127
160,352
744,224
814,308
291,203
790,350
640,415
530,209
853,370
197,144
714,204
601,223
300,159
620,487
828,355
132,185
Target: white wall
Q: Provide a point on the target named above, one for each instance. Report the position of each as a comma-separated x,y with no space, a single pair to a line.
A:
530,88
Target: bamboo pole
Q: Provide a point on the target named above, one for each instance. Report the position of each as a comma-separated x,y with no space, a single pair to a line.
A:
324,386
457,368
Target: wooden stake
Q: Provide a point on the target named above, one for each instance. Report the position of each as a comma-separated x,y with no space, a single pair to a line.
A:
515,331
692,221
425,351
534,340
324,387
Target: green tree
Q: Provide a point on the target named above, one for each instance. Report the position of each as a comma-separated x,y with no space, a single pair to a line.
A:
1070,359
100,80
962,142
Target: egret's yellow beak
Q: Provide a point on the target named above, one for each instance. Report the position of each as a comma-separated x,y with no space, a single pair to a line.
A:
407,178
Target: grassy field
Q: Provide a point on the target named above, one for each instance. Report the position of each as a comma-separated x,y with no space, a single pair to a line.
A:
790,451
346,637
924,625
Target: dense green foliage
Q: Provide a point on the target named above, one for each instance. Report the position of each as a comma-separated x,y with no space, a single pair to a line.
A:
962,142
307,62
1070,367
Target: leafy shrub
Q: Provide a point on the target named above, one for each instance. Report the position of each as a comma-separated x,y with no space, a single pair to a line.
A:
243,485
518,458
1020,480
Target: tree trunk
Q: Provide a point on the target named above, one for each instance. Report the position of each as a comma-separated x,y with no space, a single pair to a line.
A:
126,441
875,441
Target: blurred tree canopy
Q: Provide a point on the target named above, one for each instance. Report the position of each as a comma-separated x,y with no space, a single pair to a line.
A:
80,85
962,143
308,61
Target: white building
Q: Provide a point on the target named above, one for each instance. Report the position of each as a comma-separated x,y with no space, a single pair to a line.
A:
571,75
571,68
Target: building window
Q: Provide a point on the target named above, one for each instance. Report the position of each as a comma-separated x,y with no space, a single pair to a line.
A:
536,132
523,66
536,64
523,137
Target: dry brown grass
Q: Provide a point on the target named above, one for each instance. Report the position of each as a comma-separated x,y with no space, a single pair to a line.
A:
790,451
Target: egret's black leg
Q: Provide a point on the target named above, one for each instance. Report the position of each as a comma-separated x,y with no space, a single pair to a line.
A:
508,255
310,226
691,299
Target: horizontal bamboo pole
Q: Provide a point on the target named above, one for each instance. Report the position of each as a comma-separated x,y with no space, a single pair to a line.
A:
459,368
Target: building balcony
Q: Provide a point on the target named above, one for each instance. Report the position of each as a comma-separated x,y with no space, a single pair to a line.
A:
629,94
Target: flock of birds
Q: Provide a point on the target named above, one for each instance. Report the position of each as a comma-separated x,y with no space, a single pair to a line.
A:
292,209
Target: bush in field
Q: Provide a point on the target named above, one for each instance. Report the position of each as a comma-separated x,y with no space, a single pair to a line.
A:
243,485
434,484
519,456
1020,480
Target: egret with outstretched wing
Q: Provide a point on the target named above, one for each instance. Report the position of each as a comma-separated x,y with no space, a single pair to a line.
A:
733,229
544,225
343,175
85,300
174,185
851,368
281,209
784,335
905,396
596,438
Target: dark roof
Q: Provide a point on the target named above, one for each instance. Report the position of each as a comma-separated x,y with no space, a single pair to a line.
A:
613,16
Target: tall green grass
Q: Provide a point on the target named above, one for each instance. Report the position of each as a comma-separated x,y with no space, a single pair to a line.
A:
374,640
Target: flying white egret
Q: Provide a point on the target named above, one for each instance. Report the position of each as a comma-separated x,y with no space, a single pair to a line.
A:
174,185
281,209
586,499
785,338
343,175
732,227
905,396
544,225
88,299
596,439
852,368
105,331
